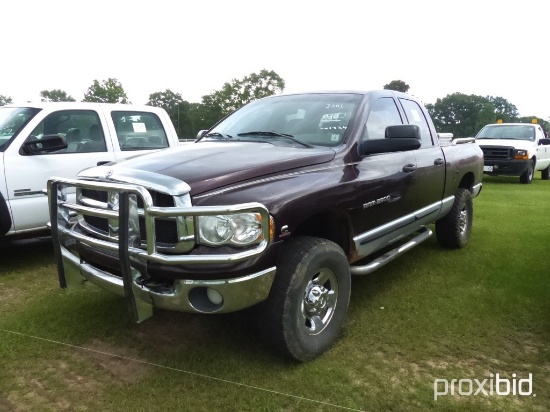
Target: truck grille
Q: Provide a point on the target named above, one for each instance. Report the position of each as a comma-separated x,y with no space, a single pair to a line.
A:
159,199
166,230
497,152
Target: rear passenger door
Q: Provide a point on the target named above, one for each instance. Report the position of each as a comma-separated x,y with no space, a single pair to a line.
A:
27,174
430,162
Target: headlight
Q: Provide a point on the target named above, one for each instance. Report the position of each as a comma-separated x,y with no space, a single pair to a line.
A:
521,155
239,229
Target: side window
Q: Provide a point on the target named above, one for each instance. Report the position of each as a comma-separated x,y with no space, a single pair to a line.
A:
139,130
81,128
415,115
383,113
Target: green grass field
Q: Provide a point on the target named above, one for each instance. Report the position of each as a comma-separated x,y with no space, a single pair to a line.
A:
431,314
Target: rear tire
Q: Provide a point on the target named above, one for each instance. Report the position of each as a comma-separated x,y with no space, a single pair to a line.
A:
307,305
545,173
527,176
453,230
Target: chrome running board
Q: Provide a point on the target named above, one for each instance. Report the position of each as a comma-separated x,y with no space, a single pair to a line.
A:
424,233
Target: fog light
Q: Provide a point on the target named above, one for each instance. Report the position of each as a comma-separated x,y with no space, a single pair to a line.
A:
214,296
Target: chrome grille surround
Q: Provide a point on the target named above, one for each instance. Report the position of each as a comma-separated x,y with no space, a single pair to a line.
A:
173,235
147,249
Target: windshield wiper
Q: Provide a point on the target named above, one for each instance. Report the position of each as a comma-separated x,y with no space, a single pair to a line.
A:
218,135
275,134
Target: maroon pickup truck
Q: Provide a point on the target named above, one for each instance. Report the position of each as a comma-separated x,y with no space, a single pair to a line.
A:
275,207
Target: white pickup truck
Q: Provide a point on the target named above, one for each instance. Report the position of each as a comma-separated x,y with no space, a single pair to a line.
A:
60,139
515,149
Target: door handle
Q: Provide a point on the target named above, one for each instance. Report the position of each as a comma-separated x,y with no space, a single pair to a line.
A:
409,168
439,161
104,162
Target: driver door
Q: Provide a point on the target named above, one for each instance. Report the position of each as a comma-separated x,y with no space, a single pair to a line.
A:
387,181
27,173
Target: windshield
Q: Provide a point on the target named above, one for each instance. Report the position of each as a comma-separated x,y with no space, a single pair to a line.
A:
298,120
505,131
12,120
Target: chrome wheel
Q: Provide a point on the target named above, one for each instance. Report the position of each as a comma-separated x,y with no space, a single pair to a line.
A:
463,221
453,230
319,301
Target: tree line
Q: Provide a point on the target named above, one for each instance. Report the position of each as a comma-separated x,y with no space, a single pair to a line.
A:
457,113
464,115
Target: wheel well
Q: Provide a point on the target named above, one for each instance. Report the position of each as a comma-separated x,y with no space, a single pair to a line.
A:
467,182
5,219
332,225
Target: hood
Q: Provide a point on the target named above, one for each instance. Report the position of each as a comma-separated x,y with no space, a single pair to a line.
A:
516,144
208,166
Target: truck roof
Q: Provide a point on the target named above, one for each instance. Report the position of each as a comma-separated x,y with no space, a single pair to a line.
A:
82,105
350,91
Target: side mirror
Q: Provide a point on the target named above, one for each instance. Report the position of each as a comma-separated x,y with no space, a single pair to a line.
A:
46,144
545,142
201,133
407,131
398,139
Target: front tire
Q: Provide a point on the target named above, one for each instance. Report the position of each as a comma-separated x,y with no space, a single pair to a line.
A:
545,173
453,230
308,301
527,176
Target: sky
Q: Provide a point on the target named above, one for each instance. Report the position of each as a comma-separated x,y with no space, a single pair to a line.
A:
483,47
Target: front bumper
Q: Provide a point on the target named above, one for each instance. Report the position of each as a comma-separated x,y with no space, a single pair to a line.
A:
505,167
183,296
189,294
